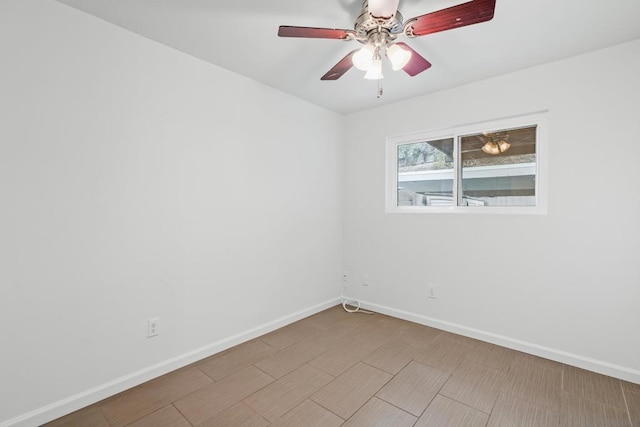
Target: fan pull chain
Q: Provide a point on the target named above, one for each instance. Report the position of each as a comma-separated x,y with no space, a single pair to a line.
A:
379,89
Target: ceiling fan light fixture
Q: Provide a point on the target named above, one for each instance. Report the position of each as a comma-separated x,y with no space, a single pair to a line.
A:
495,147
363,59
503,145
375,71
491,148
383,8
398,56
495,142
377,27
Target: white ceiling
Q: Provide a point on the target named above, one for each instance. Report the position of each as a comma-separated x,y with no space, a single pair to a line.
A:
241,36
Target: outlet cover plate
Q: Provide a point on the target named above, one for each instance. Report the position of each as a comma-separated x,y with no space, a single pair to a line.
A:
153,327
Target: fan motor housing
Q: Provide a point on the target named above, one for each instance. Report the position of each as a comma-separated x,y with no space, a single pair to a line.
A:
367,25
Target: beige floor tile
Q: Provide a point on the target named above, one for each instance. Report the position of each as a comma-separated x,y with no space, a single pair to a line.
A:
282,395
291,358
444,412
444,353
215,398
546,397
419,336
630,387
358,326
461,339
338,359
90,416
378,332
593,386
576,411
475,385
604,389
165,417
327,319
413,388
289,335
535,382
510,411
524,361
355,326
393,356
134,404
398,325
338,338
492,356
572,380
633,402
235,359
308,414
239,415
377,413
347,393
365,320
384,367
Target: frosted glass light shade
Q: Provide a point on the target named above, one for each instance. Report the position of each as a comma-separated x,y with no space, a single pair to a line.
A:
383,8
398,56
491,148
375,72
363,59
504,146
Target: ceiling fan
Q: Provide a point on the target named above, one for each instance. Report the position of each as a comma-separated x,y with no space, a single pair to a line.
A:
379,25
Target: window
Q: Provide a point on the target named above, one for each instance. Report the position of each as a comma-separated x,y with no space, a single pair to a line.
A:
493,167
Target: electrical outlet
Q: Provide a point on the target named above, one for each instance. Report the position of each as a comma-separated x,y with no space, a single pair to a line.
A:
431,292
365,280
153,327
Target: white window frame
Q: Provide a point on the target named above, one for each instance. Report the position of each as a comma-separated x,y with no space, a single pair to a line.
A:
538,119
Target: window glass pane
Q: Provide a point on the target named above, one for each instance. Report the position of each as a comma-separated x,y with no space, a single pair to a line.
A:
499,168
425,173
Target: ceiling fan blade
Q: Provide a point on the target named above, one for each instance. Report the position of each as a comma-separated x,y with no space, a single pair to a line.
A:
416,64
314,33
472,12
340,68
383,8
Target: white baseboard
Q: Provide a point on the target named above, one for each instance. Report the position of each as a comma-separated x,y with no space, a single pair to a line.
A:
96,394
610,369
88,397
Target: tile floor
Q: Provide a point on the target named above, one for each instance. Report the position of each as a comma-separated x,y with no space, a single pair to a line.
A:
335,368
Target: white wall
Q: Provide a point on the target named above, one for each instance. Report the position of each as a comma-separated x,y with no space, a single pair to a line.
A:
565,285
137,182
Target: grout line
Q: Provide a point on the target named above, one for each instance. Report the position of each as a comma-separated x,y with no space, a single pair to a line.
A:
397,407
323,407
254,410
181,414
626,404
103,414
374,394
267,344
462,403
207,375
432,399
468,406
265,372
146,415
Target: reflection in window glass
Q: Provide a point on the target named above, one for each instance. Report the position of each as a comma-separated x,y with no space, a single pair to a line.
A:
499,168
425,173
